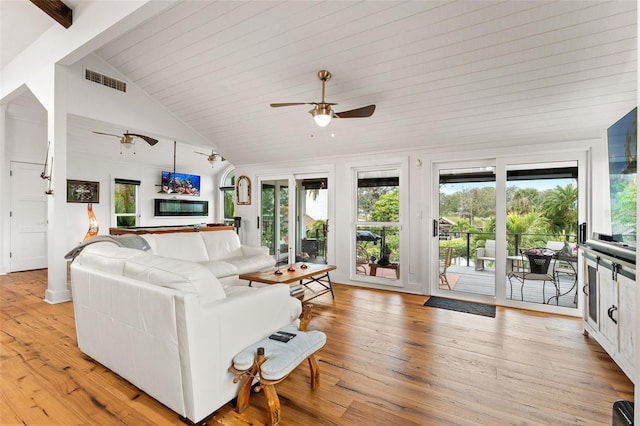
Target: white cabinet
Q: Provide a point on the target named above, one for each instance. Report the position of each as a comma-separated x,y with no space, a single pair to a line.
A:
608,292
610,307
627,318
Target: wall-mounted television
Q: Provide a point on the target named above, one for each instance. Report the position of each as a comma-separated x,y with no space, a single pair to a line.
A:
180,183
622,140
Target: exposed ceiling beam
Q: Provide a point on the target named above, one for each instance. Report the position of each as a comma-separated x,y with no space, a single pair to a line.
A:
57,10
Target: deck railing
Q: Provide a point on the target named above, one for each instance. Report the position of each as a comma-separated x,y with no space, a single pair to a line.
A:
471,240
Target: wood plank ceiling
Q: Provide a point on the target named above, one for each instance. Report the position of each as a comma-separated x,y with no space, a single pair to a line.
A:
442,73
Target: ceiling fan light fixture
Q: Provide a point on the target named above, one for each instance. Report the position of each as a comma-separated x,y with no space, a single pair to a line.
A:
322,115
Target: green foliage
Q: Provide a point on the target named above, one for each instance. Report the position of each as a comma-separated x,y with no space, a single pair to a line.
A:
560,209
125,198
318,226
459,247
269,238
625,208
469,203
387,207
523,200
368,197
229,204
463,226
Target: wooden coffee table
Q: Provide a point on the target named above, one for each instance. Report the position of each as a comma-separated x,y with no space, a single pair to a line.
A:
296,274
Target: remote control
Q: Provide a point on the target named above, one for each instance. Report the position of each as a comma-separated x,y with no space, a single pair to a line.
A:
280,338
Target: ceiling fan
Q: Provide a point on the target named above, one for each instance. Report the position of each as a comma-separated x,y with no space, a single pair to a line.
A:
128,139
322,112
211,158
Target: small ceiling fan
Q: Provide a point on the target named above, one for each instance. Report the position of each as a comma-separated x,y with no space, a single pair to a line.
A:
211,158
128,139
322,112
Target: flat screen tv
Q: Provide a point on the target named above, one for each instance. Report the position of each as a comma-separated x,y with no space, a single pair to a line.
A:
622,139
180,183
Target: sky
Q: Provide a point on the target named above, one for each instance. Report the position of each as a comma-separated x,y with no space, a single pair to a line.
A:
317,209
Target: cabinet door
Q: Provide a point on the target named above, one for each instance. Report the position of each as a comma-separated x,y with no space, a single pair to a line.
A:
590,291
627,320
608,300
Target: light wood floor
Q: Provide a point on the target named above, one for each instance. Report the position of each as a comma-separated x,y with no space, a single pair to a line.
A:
388,361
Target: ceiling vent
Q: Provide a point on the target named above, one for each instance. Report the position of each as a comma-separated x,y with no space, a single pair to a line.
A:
105,80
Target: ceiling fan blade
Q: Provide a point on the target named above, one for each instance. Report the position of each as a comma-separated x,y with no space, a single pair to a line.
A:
107,134
366,111
201,153
149,140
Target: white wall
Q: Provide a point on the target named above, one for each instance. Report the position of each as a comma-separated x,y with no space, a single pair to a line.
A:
133,109
82,167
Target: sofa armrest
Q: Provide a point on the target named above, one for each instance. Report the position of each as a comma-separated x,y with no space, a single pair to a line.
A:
254,250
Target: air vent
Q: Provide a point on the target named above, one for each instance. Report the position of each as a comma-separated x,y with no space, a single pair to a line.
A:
105,80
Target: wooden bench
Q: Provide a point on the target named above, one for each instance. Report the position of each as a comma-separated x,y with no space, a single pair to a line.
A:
270,362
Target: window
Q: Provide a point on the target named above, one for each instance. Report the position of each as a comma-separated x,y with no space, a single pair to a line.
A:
228,194
126,202
378,223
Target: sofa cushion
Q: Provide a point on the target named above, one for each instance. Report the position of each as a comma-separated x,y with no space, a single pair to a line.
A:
176,274
221,244
246,264
178,245
220,268
106,257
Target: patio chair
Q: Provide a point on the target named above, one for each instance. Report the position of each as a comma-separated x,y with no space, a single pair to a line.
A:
444,264
565,264
488,252
362,259
538,270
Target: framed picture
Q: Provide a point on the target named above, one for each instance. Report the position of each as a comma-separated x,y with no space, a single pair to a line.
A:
243,190
83,191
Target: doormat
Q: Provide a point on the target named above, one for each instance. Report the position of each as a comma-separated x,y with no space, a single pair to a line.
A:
461,306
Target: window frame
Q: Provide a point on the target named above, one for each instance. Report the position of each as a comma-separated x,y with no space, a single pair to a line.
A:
224,189
137,213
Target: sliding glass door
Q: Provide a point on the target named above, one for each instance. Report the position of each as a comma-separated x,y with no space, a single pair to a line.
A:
542,232
312,224
506,232
466,229
294,217
274,218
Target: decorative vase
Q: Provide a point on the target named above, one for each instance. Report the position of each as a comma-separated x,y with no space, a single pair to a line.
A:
93,223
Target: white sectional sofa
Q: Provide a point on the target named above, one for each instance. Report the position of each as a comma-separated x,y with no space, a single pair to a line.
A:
168,325
219,251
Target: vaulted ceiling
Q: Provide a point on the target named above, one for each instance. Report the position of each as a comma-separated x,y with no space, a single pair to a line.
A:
442,73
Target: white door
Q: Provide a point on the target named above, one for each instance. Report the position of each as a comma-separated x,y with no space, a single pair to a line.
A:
28,217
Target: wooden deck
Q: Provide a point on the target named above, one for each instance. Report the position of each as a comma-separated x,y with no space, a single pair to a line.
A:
388,361
483,282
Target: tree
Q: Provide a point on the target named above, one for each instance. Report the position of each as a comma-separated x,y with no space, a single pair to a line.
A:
523,200
532,223
624,210
560,209
387,208
449,203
